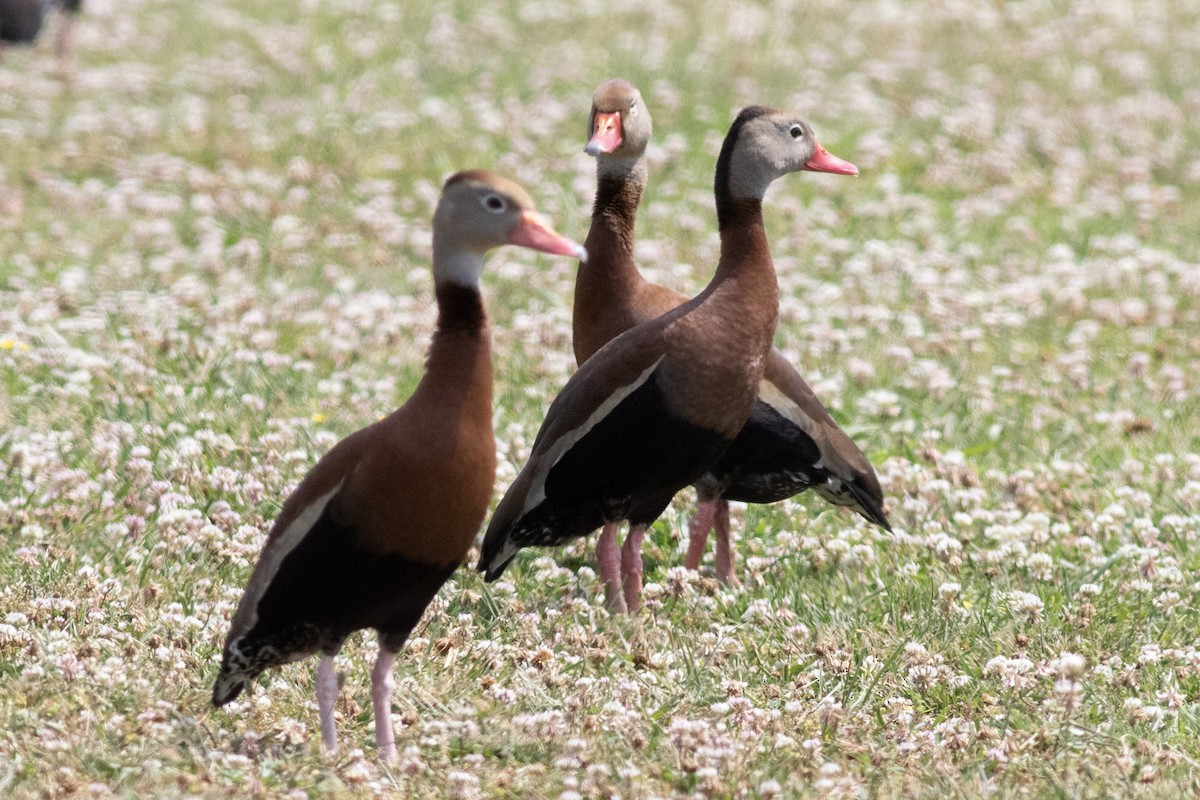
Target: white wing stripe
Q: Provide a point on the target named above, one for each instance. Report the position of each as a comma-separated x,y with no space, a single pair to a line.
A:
537,492
788,408
274,555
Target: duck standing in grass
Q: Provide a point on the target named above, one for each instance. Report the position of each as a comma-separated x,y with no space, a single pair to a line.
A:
654,409
388,514
790,442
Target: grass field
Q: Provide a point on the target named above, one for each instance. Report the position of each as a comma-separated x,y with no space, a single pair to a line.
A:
214,245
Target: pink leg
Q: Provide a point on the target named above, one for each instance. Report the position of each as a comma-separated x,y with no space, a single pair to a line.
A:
698,529
381,699
608,558
327,692
631,567
724,563
66,35
64,46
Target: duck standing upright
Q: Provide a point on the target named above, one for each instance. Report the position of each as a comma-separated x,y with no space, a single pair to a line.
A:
388,514
651,411
790,442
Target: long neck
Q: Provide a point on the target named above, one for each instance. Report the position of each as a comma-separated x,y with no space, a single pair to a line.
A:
606,287
619,187
744,293
745,253
722,337
459,366
743,239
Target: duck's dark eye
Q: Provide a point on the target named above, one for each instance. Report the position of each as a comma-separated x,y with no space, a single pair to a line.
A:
494,203
796,131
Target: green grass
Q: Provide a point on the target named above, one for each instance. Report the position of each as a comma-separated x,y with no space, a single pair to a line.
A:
214,246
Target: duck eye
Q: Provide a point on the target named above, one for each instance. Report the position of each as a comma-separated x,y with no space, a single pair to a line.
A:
494,203
633,109
796,131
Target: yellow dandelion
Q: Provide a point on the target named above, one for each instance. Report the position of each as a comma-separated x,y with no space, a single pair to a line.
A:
318,417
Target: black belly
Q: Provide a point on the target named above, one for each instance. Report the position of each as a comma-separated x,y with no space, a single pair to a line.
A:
628,466
21,20
771,459
330,586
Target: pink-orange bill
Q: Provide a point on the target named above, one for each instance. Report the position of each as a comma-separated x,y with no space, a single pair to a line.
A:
607,135
824,161
534,232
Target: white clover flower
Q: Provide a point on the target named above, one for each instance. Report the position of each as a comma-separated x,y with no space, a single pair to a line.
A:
1014,673
1027,604
770,788
1167,601
922,676
1040,565
1071,665
1172,698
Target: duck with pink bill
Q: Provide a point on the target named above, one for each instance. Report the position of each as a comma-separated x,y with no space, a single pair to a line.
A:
662,390
790,443
387,515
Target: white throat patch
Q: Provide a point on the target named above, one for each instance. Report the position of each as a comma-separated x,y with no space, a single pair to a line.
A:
459,266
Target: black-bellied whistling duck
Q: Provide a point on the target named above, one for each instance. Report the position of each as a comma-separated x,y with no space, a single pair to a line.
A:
655,408
789,443
21,22
614,297
386,516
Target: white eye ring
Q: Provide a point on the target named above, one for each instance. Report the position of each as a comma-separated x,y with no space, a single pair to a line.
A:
796,131
494,203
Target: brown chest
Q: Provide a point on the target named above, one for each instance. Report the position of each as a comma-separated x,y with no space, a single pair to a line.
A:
716,359
425,495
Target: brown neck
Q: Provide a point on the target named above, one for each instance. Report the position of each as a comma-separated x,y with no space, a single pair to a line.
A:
744,293
606,287
459,366
722,338
745,254
743,239
610,239
745,275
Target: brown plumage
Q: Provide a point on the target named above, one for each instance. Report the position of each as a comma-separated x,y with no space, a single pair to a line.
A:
614,297
790,442
651,411
386,516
